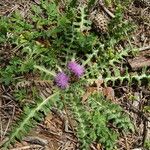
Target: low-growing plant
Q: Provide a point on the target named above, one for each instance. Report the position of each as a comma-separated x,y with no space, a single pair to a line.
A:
59,46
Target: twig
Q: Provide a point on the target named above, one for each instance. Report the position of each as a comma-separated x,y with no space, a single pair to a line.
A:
146,132
129,41
36,140
126,143
28,147
65,107
7,126
12,10
106,10
69,119
1,128
92,146
3,142
138,112
144,48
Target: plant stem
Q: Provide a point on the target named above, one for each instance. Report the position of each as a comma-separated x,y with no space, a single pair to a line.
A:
44,70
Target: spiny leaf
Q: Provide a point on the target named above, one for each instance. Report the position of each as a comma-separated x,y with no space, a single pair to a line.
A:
29,118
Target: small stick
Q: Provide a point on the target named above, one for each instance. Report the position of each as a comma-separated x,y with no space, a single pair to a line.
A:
3,142
65,107
106,10
36,140
144,48
1,128
126,143
7,126
28,147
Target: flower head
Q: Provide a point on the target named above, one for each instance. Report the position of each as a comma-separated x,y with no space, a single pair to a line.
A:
62,80
76,68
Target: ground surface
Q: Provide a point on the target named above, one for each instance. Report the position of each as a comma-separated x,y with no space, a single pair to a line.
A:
55,133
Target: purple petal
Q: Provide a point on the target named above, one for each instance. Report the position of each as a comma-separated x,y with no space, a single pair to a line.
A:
62,80
76,68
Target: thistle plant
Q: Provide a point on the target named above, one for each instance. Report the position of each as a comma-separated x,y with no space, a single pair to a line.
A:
51,39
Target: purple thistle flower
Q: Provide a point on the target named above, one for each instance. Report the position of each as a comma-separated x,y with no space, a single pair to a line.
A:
62,80
76,68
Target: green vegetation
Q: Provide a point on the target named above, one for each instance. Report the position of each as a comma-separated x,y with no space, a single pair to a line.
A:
50,38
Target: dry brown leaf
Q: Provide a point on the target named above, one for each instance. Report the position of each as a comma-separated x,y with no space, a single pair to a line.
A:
93,89
109,93
99,147
47,120
90,90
